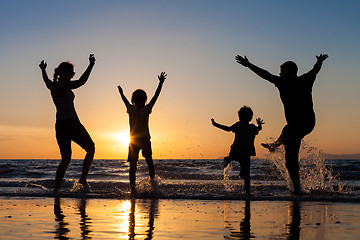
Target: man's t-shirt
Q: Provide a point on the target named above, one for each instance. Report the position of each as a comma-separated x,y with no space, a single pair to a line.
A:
296,96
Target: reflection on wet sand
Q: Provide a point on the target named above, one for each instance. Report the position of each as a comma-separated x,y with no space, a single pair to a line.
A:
245,227
151,213
293,228
138,216
85,221
62,229
179,219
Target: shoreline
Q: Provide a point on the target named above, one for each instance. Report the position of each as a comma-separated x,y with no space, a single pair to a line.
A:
127,196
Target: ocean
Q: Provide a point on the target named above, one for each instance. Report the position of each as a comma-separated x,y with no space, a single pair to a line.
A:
189,199
323,180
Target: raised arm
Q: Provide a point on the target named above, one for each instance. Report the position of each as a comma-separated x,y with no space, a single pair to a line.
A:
161,78
259,71
85,76
222,127
320,59
123,97
47,81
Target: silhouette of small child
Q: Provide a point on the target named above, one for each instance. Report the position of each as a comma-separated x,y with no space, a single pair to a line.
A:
139,113
243,145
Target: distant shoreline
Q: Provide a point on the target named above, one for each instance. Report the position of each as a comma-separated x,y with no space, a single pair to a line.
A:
328,156
342,156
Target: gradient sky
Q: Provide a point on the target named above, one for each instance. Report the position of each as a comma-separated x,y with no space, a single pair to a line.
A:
195,43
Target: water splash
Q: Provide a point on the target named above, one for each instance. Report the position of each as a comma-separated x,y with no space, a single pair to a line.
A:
316,174
233,185
80,188
148,186
36,186
229,186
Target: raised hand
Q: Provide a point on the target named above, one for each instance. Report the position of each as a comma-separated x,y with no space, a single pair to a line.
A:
92,59
43,65
120,89
322,57
260,121
242,60
162,77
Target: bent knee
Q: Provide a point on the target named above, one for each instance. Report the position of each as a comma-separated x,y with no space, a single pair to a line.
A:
65,154
90,148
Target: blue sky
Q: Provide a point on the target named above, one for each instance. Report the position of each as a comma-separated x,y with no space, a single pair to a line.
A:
195,42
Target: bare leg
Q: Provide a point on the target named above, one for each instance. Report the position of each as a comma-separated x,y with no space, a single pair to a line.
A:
280,141
245,172
227,161
247,184
64,142
151,167
60,172
292,162
87,163
132,176
133,157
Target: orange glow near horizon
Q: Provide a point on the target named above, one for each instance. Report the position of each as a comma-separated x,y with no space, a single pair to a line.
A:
123,137
176,143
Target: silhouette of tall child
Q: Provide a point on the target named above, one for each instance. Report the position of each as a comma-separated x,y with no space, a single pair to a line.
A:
243,145
68,126
296,96
139,113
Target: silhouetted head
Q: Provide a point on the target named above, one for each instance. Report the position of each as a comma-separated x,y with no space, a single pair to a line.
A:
65,71
139,97
245,113
288,68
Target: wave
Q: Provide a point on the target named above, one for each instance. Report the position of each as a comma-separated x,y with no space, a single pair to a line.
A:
323,180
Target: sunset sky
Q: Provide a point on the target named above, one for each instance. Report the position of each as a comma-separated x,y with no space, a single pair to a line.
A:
195,43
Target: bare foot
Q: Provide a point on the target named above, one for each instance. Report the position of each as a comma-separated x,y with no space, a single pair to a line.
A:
269,146
83,181
227,161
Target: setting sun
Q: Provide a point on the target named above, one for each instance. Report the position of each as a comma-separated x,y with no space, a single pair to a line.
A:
123,137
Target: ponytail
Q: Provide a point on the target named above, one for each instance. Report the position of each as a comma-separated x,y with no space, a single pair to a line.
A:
56,74
64,66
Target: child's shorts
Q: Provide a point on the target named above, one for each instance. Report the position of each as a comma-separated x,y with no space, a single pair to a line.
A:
143,144
244,161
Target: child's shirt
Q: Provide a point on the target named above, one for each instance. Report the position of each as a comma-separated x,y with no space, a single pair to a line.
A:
139,121
244,138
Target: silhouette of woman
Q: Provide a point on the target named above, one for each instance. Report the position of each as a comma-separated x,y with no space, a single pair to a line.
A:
68,127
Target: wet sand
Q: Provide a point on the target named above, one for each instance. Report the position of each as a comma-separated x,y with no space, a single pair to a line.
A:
63,218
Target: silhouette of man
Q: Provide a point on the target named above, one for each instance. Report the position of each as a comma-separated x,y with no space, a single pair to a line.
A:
296,96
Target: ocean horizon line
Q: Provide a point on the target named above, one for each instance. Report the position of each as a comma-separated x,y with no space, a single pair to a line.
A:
326,155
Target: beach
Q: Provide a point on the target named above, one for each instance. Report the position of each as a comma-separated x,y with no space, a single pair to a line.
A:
81,218
192,199
164,120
